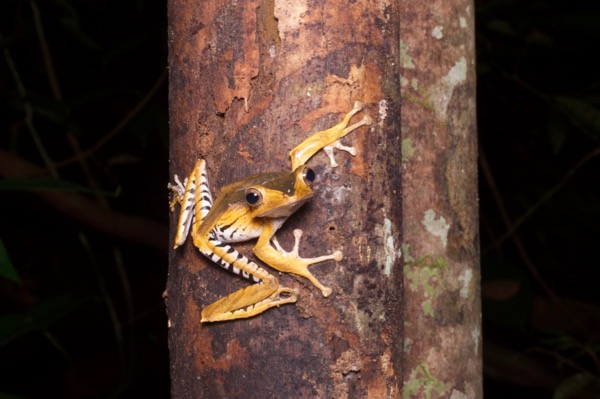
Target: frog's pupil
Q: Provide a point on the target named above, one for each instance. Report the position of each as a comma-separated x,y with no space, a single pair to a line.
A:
310,175
252,198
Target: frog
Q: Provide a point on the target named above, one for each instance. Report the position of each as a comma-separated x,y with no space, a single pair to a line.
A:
255,208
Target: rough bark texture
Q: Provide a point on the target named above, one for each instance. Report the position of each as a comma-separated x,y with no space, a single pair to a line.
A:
440,210
248,82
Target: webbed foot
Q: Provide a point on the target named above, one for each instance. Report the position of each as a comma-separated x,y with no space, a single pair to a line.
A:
338,145
298,265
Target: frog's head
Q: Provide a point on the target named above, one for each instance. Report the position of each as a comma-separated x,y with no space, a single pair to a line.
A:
282,194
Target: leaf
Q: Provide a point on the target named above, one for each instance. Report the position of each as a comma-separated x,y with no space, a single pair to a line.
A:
6,395
501,26
38,318
572,386
508,299
557,131
500,289
7,269
582,113
50,184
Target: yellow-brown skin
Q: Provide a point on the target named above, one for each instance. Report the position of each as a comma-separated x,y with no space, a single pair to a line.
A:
256,207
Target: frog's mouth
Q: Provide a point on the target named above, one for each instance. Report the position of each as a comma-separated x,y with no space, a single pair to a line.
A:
286,209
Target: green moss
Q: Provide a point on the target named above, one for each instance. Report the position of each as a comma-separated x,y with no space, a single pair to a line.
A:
407,150
421,384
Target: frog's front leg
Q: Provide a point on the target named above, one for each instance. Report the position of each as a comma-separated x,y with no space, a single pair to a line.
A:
194,199
291,262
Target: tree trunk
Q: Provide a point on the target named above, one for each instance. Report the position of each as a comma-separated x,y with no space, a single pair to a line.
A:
248,82
440,209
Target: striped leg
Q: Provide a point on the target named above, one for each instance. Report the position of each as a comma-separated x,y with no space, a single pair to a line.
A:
246,302
195,203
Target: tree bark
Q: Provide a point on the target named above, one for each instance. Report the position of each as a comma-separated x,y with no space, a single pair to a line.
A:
440,207
248,82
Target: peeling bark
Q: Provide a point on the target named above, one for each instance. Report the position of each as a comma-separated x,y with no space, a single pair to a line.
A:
440,208
248,82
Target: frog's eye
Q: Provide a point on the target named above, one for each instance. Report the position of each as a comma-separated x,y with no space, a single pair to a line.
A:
253,197
309,175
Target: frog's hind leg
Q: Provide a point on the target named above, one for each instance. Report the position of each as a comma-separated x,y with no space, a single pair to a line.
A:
249,301
194,198
246,302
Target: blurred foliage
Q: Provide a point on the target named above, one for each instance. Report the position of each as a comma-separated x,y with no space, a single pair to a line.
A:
83,100
83,97
539,129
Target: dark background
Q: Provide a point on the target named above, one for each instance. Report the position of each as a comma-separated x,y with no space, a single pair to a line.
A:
81,313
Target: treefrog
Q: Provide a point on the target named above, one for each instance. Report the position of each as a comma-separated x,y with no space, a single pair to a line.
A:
256,207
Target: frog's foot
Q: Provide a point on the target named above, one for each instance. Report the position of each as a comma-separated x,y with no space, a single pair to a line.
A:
328,138
178,189
247,302
280,297
337,144
329,152
297,265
